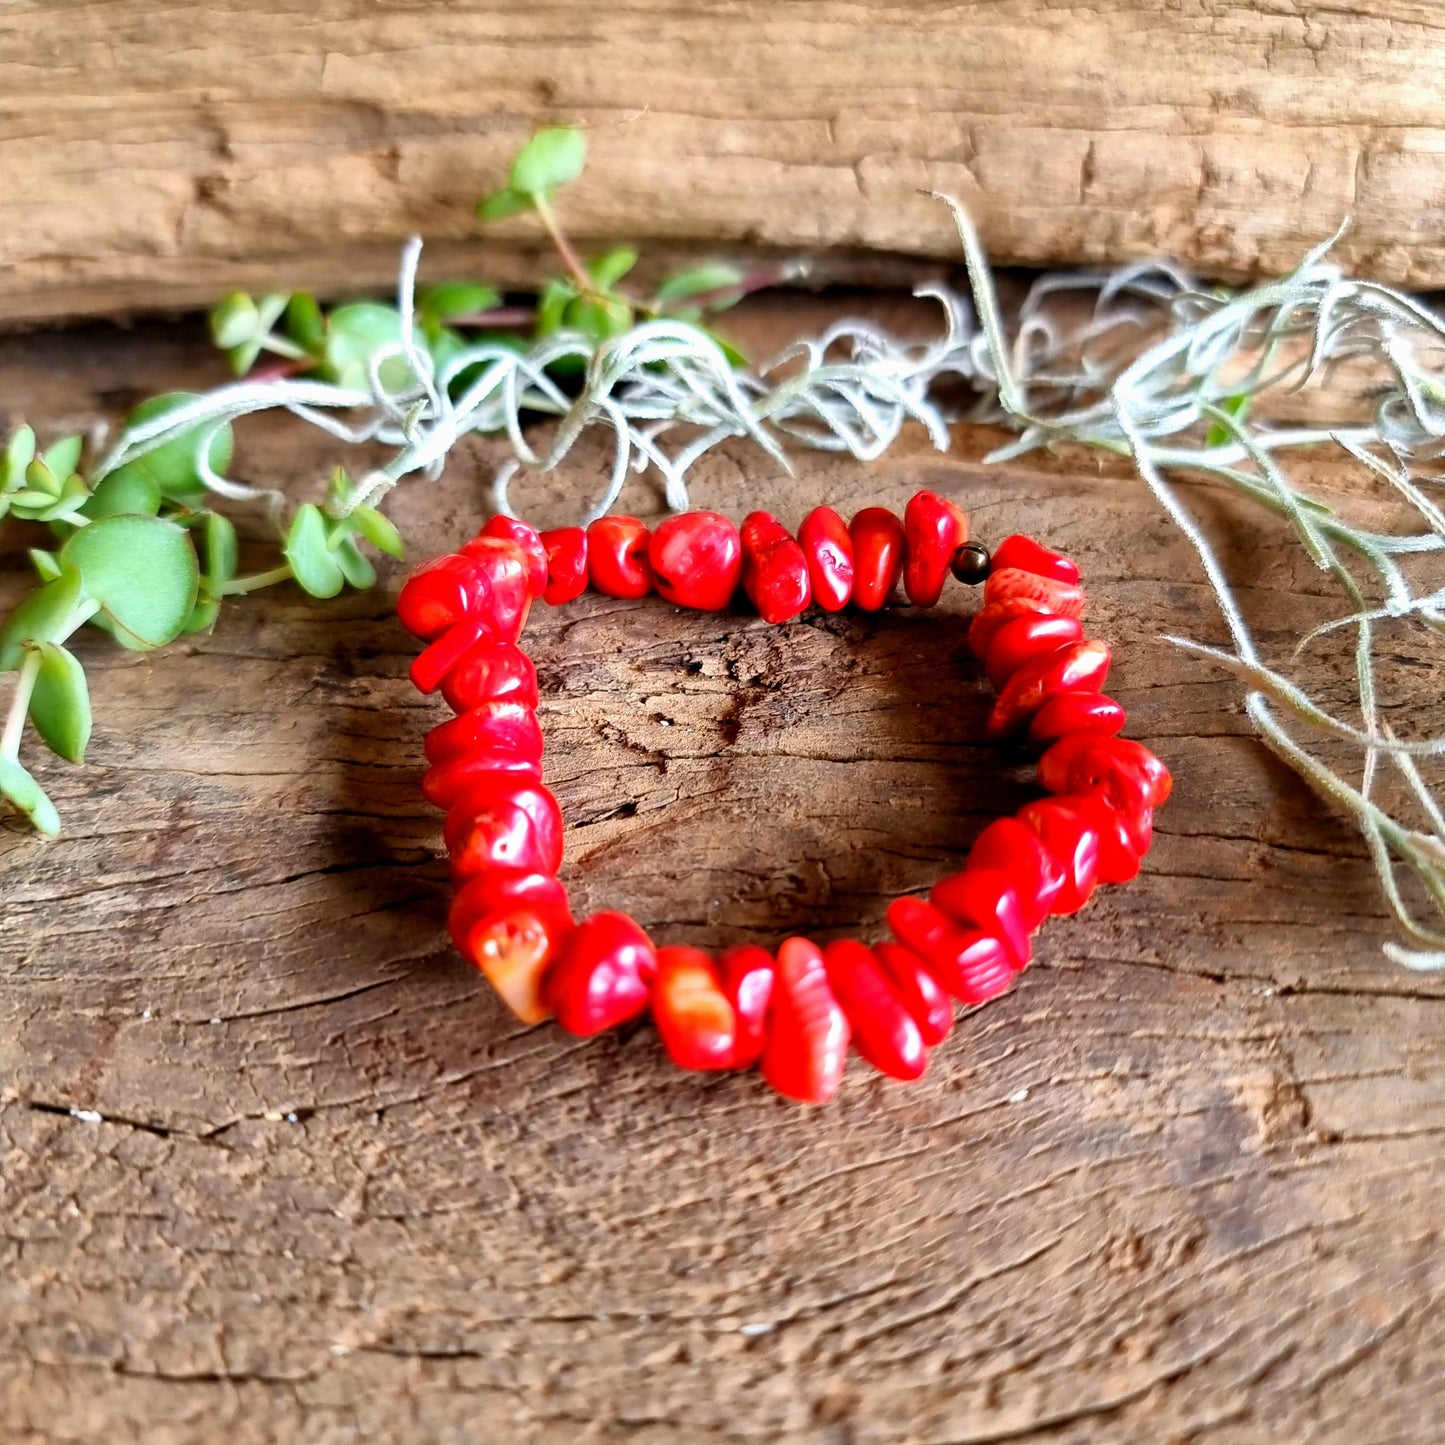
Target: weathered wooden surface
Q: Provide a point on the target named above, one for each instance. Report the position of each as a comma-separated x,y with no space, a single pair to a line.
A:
160,156
1182,1184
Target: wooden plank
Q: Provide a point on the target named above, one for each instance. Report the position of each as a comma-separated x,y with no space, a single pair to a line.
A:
157,158
1184,1182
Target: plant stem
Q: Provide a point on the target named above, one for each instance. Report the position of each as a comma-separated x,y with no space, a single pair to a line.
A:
19,706
570,259
256,581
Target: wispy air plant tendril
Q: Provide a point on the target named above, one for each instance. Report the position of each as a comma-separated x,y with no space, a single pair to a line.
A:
1162,372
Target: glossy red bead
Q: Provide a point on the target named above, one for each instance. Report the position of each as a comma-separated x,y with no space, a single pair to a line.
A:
696,559
922,995
502,726
1027,638
430,667
808,1031
444,783
1007,845
480,831
694,1016
1076,712
980,969
1125,772
604,975
514,947
1030,556
971,965
933,529
526,537
1074,843
566,549
1011,584
503,889
1073,667
987,899
885,1033
748,975
437,595
991,619
491,671
617,557
774,571
503,569
879,550
828,548
1122,843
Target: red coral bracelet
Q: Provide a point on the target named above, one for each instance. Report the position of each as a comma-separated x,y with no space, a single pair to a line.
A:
794,1013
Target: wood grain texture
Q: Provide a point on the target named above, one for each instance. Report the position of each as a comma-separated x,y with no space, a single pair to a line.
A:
1182,1184
157,157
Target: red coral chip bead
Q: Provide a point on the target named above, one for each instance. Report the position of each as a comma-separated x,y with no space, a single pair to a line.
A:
775,570
604,975
1026,638
1074,842
1072,667
617,557
879,549
884,1031
505,888
1122,841
696,560
1007,845
972,965
491,671
933,530
504,568
509,529
828,547
748,977
514,948
1030,556
1076,712
988,899
1010,583
808,1031
430,667
437,595
480,831
500,725
693,1013
566,549
445,782
989,621
1124,771
922,995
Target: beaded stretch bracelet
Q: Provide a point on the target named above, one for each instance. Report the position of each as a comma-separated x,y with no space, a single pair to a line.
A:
797,1012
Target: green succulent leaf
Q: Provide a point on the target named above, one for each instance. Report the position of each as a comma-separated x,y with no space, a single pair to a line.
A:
353,335
600,317
717,283
378,531
554,156
63,458
124,491
450,299
74,494
143,573
28,796
44,564
305,324
44,616
557,295
39,478
501,204
172,465
355,567
221,551
308,550
610,267
60,704
19,453
203,616
234,321
1219,434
